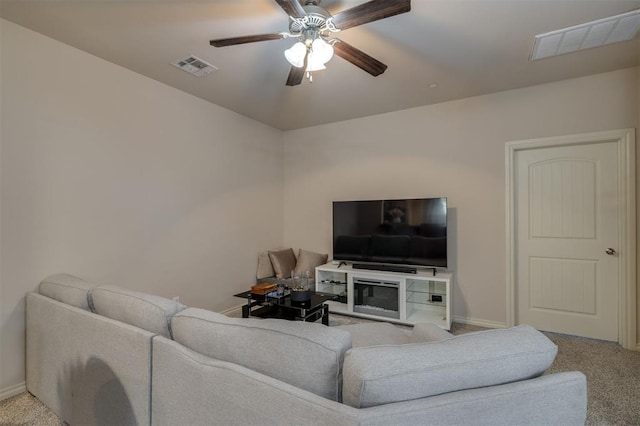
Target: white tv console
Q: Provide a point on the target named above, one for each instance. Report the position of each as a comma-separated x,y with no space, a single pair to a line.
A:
422,297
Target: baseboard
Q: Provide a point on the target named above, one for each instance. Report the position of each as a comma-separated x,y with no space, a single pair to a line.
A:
13,391
230,310
479,322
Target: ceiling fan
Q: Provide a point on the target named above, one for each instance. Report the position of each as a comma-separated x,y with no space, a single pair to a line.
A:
313,27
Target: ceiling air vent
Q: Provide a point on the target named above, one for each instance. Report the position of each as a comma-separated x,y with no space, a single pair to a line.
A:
585,36
195,66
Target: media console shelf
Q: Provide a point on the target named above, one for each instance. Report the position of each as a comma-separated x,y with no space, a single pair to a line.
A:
403,298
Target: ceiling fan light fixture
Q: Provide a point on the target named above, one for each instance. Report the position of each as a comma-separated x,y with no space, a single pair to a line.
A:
295,54
321,50
314,64
319,54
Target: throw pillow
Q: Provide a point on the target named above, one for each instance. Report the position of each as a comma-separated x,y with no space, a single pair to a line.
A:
308,260
264,269
283,262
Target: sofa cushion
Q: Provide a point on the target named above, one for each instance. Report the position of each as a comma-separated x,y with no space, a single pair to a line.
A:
306,355
283,262
384,374
384,333
67,289
308,260
149,312
426,332
376,333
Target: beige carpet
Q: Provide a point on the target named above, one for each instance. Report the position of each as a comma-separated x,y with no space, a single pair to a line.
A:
24,409
613,380
613,377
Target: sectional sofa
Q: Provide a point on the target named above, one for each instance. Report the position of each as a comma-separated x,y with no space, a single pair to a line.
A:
105,355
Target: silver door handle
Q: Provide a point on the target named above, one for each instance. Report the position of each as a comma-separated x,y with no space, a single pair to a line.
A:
610,251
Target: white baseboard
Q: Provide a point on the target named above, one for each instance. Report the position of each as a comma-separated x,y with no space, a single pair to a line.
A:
479,322
233,309
12,391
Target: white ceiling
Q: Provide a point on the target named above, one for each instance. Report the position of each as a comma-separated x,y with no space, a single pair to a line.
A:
468,47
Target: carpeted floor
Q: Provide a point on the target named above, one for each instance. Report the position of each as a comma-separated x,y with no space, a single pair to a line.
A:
26,410
613,380
613,377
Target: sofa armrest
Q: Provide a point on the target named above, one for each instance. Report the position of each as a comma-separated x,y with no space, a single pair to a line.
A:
424,332
87,368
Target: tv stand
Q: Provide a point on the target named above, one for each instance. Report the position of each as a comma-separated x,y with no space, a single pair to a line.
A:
422,297
386,268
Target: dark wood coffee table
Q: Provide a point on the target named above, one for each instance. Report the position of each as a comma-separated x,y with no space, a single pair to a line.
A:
282,307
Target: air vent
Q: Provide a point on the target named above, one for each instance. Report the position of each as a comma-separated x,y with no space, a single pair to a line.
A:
195,66
585,36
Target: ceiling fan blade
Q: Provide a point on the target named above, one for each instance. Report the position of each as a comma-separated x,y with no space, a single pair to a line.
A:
358,58
369,12
292,8
222,42
297,74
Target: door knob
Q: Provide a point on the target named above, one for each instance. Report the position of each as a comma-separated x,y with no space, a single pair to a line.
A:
610,251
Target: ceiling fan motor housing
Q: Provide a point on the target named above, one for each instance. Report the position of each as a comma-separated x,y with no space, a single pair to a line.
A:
316,19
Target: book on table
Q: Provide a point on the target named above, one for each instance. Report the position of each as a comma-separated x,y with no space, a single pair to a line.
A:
263,288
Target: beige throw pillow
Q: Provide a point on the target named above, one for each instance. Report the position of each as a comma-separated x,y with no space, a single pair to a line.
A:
283,262
308,260
264,269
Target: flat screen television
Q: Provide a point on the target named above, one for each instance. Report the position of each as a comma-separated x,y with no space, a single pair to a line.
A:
410,232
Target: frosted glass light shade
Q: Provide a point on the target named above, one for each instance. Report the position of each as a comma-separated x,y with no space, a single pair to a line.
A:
295,54
322,50
321,53
314,65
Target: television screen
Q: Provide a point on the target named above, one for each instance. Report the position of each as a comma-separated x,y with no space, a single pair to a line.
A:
407,232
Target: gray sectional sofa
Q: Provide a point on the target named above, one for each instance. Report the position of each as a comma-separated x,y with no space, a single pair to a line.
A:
105,355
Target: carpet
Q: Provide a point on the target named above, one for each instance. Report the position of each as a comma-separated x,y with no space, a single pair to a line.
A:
613,380
26,410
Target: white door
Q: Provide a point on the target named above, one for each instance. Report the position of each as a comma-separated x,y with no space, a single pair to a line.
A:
566,241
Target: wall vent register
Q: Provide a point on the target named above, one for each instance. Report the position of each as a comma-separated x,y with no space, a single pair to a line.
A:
602,32
194,66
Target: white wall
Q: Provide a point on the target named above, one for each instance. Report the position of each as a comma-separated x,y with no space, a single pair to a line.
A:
120,179
453,149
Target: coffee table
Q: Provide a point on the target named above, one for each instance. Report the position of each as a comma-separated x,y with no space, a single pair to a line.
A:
282,307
